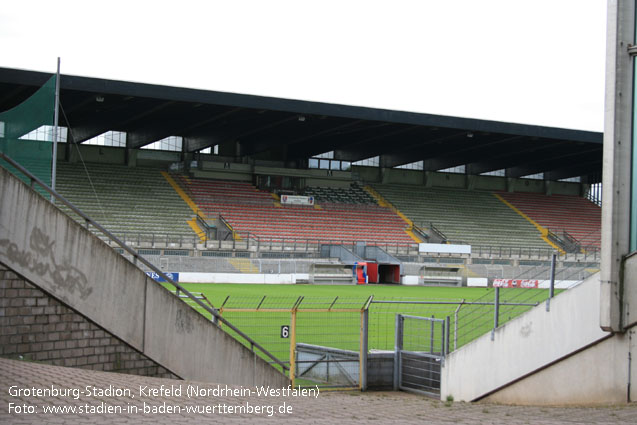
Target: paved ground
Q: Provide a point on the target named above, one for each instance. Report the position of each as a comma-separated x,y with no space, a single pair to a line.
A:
67,388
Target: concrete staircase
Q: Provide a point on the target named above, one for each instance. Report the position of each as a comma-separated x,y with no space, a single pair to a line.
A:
54,253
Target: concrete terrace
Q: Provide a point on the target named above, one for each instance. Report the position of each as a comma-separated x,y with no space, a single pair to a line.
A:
328,408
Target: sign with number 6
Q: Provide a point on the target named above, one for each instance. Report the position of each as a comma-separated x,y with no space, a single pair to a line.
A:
285,331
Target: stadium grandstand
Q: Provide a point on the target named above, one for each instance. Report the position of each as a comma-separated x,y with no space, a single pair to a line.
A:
224,175
228,188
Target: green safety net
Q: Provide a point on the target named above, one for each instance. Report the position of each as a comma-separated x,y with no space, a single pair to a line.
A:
34,155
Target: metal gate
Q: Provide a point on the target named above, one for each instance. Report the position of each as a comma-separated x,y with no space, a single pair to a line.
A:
421,345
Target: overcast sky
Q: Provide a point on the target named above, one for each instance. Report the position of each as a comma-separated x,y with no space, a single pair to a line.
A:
535,61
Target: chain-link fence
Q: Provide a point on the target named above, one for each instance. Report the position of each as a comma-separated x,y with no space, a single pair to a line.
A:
319,337
326,341
493,309
382,314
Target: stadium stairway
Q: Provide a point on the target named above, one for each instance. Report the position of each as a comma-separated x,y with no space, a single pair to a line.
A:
557,357
55,254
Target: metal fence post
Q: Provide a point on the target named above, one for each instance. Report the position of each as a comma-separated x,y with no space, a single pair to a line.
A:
364,345
496,312
293,340
397,347
455,325
431,335
447,332
552,284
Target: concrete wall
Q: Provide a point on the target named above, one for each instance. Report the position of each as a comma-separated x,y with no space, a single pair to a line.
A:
557,357
489,183
245,172
482,282
411,280
173,263
630,290
463,181
37,327
402,176
366,174
92,153
450,180
597,375
525,344
52,251
218,167
380,370
220,170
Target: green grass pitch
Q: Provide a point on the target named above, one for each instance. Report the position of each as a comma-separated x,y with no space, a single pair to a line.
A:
218,292
342,329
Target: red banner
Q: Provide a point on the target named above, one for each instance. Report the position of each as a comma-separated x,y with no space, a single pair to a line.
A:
515,283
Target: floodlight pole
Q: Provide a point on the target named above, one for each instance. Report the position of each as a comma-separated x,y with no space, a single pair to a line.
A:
55,130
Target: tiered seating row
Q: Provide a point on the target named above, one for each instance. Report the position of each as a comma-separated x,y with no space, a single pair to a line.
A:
351,195
219,190
251,211
126,200
473,217
577,216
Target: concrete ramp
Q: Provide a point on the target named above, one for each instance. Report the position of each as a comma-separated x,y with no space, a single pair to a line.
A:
63,259
557,357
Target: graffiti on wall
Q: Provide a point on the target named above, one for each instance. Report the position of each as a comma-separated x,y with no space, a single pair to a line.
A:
39,258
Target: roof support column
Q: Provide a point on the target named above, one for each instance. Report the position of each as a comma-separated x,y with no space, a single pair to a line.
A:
131,157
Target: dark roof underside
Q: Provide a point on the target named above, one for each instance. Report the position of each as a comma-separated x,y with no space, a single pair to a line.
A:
293,130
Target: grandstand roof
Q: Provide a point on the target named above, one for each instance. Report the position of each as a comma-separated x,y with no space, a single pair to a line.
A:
293,130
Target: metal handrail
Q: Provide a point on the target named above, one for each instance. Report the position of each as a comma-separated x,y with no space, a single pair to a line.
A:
419,232
260,241
463,302
566,240
438,232
310,244
202,221
570,238
141,259
225,222
276,239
